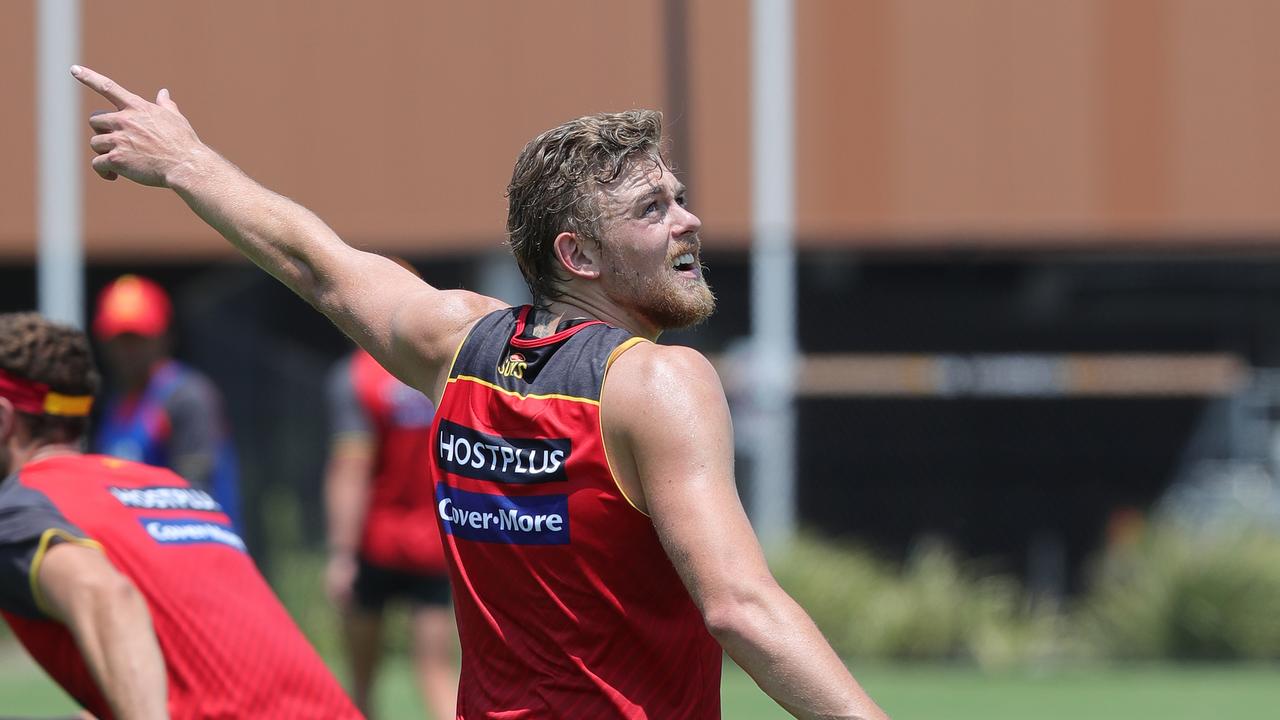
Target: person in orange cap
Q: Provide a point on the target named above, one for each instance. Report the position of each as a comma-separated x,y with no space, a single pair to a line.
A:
161,412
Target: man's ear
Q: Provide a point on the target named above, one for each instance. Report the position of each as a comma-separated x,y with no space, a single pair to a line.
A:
577,255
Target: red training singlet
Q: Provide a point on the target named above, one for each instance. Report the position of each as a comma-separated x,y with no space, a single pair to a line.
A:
567,605
230,648
400,530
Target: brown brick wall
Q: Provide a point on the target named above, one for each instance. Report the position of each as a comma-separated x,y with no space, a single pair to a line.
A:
1048,124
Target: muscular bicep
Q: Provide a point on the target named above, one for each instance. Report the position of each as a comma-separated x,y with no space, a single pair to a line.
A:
667,412
670,427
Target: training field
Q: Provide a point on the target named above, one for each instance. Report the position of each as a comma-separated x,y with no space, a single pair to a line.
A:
942,693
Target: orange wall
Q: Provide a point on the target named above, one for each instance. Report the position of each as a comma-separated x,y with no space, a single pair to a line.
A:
17,81
1056,123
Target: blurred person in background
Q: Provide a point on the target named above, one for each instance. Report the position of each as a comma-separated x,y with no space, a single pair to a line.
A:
384,544
125,583
599,552
160,411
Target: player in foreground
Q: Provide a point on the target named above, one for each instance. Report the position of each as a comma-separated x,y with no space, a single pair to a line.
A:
126,584
593,527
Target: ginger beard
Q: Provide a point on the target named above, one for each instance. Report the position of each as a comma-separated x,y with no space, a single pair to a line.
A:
665,298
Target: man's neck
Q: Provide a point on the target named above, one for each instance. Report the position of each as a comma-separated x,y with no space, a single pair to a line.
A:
569,307
138,383
40,451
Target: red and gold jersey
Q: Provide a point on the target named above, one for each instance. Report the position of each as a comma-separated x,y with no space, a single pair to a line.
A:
230,648
567,605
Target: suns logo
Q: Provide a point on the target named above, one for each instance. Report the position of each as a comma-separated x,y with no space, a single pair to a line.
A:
513,366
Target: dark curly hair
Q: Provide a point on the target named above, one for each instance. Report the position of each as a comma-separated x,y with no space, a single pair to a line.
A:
59,356
554,187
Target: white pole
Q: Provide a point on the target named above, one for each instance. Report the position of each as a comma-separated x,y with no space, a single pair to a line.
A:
773,267
60,255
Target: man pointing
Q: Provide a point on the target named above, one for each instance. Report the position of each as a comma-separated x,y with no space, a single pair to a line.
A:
643,566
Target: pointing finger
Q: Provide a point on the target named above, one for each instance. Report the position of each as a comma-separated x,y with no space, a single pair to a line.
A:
106,87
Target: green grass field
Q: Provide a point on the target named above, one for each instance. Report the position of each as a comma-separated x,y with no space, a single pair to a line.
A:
928,691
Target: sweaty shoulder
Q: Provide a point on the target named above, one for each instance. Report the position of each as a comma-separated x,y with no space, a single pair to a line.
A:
663,371
661,403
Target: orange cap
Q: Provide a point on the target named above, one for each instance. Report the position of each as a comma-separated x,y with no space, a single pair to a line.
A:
132,304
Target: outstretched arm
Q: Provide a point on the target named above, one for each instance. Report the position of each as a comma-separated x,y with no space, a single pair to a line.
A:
111,624
409,326
667,426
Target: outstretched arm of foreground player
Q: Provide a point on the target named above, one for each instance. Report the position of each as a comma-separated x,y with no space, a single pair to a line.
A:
667,427
410,327
111,624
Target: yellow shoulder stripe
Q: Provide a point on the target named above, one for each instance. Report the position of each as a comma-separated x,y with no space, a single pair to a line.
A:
604,445
46,539
454,362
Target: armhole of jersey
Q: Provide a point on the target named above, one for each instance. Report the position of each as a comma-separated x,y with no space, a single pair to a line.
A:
604,447
448,379
46,539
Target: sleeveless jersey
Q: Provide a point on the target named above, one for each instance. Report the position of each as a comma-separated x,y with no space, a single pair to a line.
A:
139,428
230,648
567,605
400,529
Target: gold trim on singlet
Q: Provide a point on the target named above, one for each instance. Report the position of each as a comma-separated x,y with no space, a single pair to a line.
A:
456,352
604,447
33,576
522,396
448,378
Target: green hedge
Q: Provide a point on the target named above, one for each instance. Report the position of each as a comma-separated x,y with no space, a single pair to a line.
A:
930,607
1171,594
1180,594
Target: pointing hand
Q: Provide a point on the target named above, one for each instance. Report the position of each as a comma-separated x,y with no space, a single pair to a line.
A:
140,140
